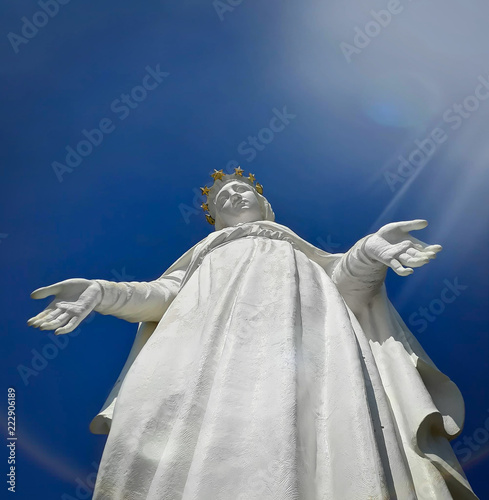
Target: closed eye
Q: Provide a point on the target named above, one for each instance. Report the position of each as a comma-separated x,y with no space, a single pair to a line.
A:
221,200
224,196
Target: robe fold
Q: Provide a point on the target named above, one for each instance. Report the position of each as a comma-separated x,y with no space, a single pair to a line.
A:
265,368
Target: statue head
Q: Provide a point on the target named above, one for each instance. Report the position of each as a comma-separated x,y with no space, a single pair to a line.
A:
235,199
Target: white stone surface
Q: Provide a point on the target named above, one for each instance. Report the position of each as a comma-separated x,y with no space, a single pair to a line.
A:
266,368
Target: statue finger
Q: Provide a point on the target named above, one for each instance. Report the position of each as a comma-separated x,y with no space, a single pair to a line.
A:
425,247
69,327
46,291
56,323
37,317
408,260
420,253
38,323
412,251
394,250
411,225
41,317
399,268
403,227
417,243
433,248
387,228
52,315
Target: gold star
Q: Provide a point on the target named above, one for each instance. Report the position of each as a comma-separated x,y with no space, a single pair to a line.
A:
259,188
218,174
251,177
239,171
205,190
205,207
210,220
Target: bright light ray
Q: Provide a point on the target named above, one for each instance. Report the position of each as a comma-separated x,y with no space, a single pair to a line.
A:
56,465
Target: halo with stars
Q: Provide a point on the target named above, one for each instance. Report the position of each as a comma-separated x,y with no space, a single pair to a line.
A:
220,178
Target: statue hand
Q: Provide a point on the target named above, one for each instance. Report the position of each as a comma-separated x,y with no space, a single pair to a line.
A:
395,247
74,300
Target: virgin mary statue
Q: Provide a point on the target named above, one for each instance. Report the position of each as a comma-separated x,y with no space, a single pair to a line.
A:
265,368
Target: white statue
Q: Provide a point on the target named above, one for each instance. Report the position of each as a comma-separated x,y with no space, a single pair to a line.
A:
266,368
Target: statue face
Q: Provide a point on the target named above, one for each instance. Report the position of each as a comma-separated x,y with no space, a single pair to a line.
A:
236,202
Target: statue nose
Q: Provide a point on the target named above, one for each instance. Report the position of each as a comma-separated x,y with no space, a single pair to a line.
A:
235,197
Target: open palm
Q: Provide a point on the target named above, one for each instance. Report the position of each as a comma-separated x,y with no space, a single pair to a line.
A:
395,247
74,300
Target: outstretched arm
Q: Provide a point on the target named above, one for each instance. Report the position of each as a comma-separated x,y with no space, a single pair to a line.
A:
360,273
138,301
76,298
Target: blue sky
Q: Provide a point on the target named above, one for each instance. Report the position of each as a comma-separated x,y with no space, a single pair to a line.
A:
385,120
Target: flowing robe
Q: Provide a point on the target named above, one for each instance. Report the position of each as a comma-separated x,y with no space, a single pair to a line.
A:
265,368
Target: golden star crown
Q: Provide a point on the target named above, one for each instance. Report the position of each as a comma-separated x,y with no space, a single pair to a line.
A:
220,178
